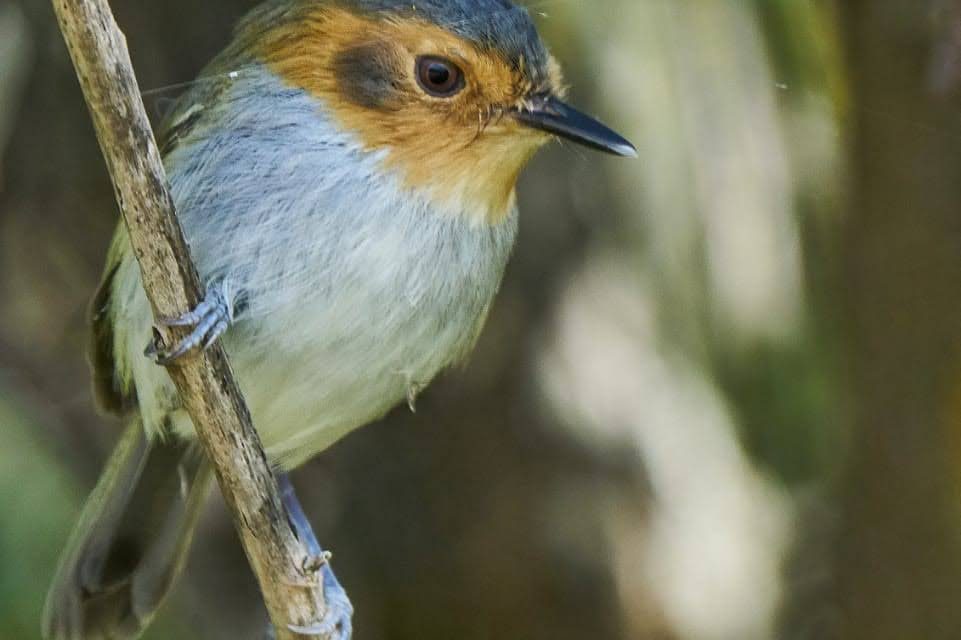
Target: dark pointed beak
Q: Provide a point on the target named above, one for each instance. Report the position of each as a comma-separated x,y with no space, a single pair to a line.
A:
549,114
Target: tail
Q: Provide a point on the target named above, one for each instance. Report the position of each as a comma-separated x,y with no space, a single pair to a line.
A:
130,542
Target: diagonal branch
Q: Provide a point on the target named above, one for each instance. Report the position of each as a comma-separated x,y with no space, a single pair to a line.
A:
292,588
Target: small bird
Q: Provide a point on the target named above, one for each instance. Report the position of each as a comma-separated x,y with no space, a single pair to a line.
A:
344,172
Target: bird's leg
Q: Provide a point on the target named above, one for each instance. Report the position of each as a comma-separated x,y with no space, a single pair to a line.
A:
208,321
337,622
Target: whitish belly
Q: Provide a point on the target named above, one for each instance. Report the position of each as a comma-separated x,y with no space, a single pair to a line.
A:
305,398
316,364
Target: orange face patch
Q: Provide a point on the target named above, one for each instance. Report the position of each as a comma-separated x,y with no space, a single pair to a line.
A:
462,149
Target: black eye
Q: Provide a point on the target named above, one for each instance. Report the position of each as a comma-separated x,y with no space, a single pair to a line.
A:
438,77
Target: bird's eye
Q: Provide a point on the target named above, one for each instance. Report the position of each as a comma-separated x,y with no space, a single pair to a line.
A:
438,77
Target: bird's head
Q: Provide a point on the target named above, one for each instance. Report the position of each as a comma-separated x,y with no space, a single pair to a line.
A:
459,93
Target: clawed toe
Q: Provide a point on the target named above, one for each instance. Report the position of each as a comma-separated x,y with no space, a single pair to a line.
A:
191,318
336,624
208,321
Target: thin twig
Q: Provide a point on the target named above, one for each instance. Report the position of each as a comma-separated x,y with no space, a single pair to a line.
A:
293,595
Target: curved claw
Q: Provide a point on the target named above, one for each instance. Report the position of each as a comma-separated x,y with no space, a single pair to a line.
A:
209,320
337,623
206,306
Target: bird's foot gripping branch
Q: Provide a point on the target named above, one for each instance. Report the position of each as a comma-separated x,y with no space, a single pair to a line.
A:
294,598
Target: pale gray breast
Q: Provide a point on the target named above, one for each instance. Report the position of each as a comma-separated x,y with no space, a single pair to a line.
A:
355,286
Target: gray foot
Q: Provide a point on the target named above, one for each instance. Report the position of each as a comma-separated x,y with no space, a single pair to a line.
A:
336,624
208,321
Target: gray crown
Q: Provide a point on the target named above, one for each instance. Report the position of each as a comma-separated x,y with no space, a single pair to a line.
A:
495,25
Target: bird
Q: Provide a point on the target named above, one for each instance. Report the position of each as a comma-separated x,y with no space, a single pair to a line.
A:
345,174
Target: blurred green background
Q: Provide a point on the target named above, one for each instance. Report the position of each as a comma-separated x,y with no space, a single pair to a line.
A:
718,398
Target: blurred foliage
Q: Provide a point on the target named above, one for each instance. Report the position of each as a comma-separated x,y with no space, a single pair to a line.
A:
40,498
25,542
714,400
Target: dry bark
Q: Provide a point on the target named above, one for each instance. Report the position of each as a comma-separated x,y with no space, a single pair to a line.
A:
291,585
